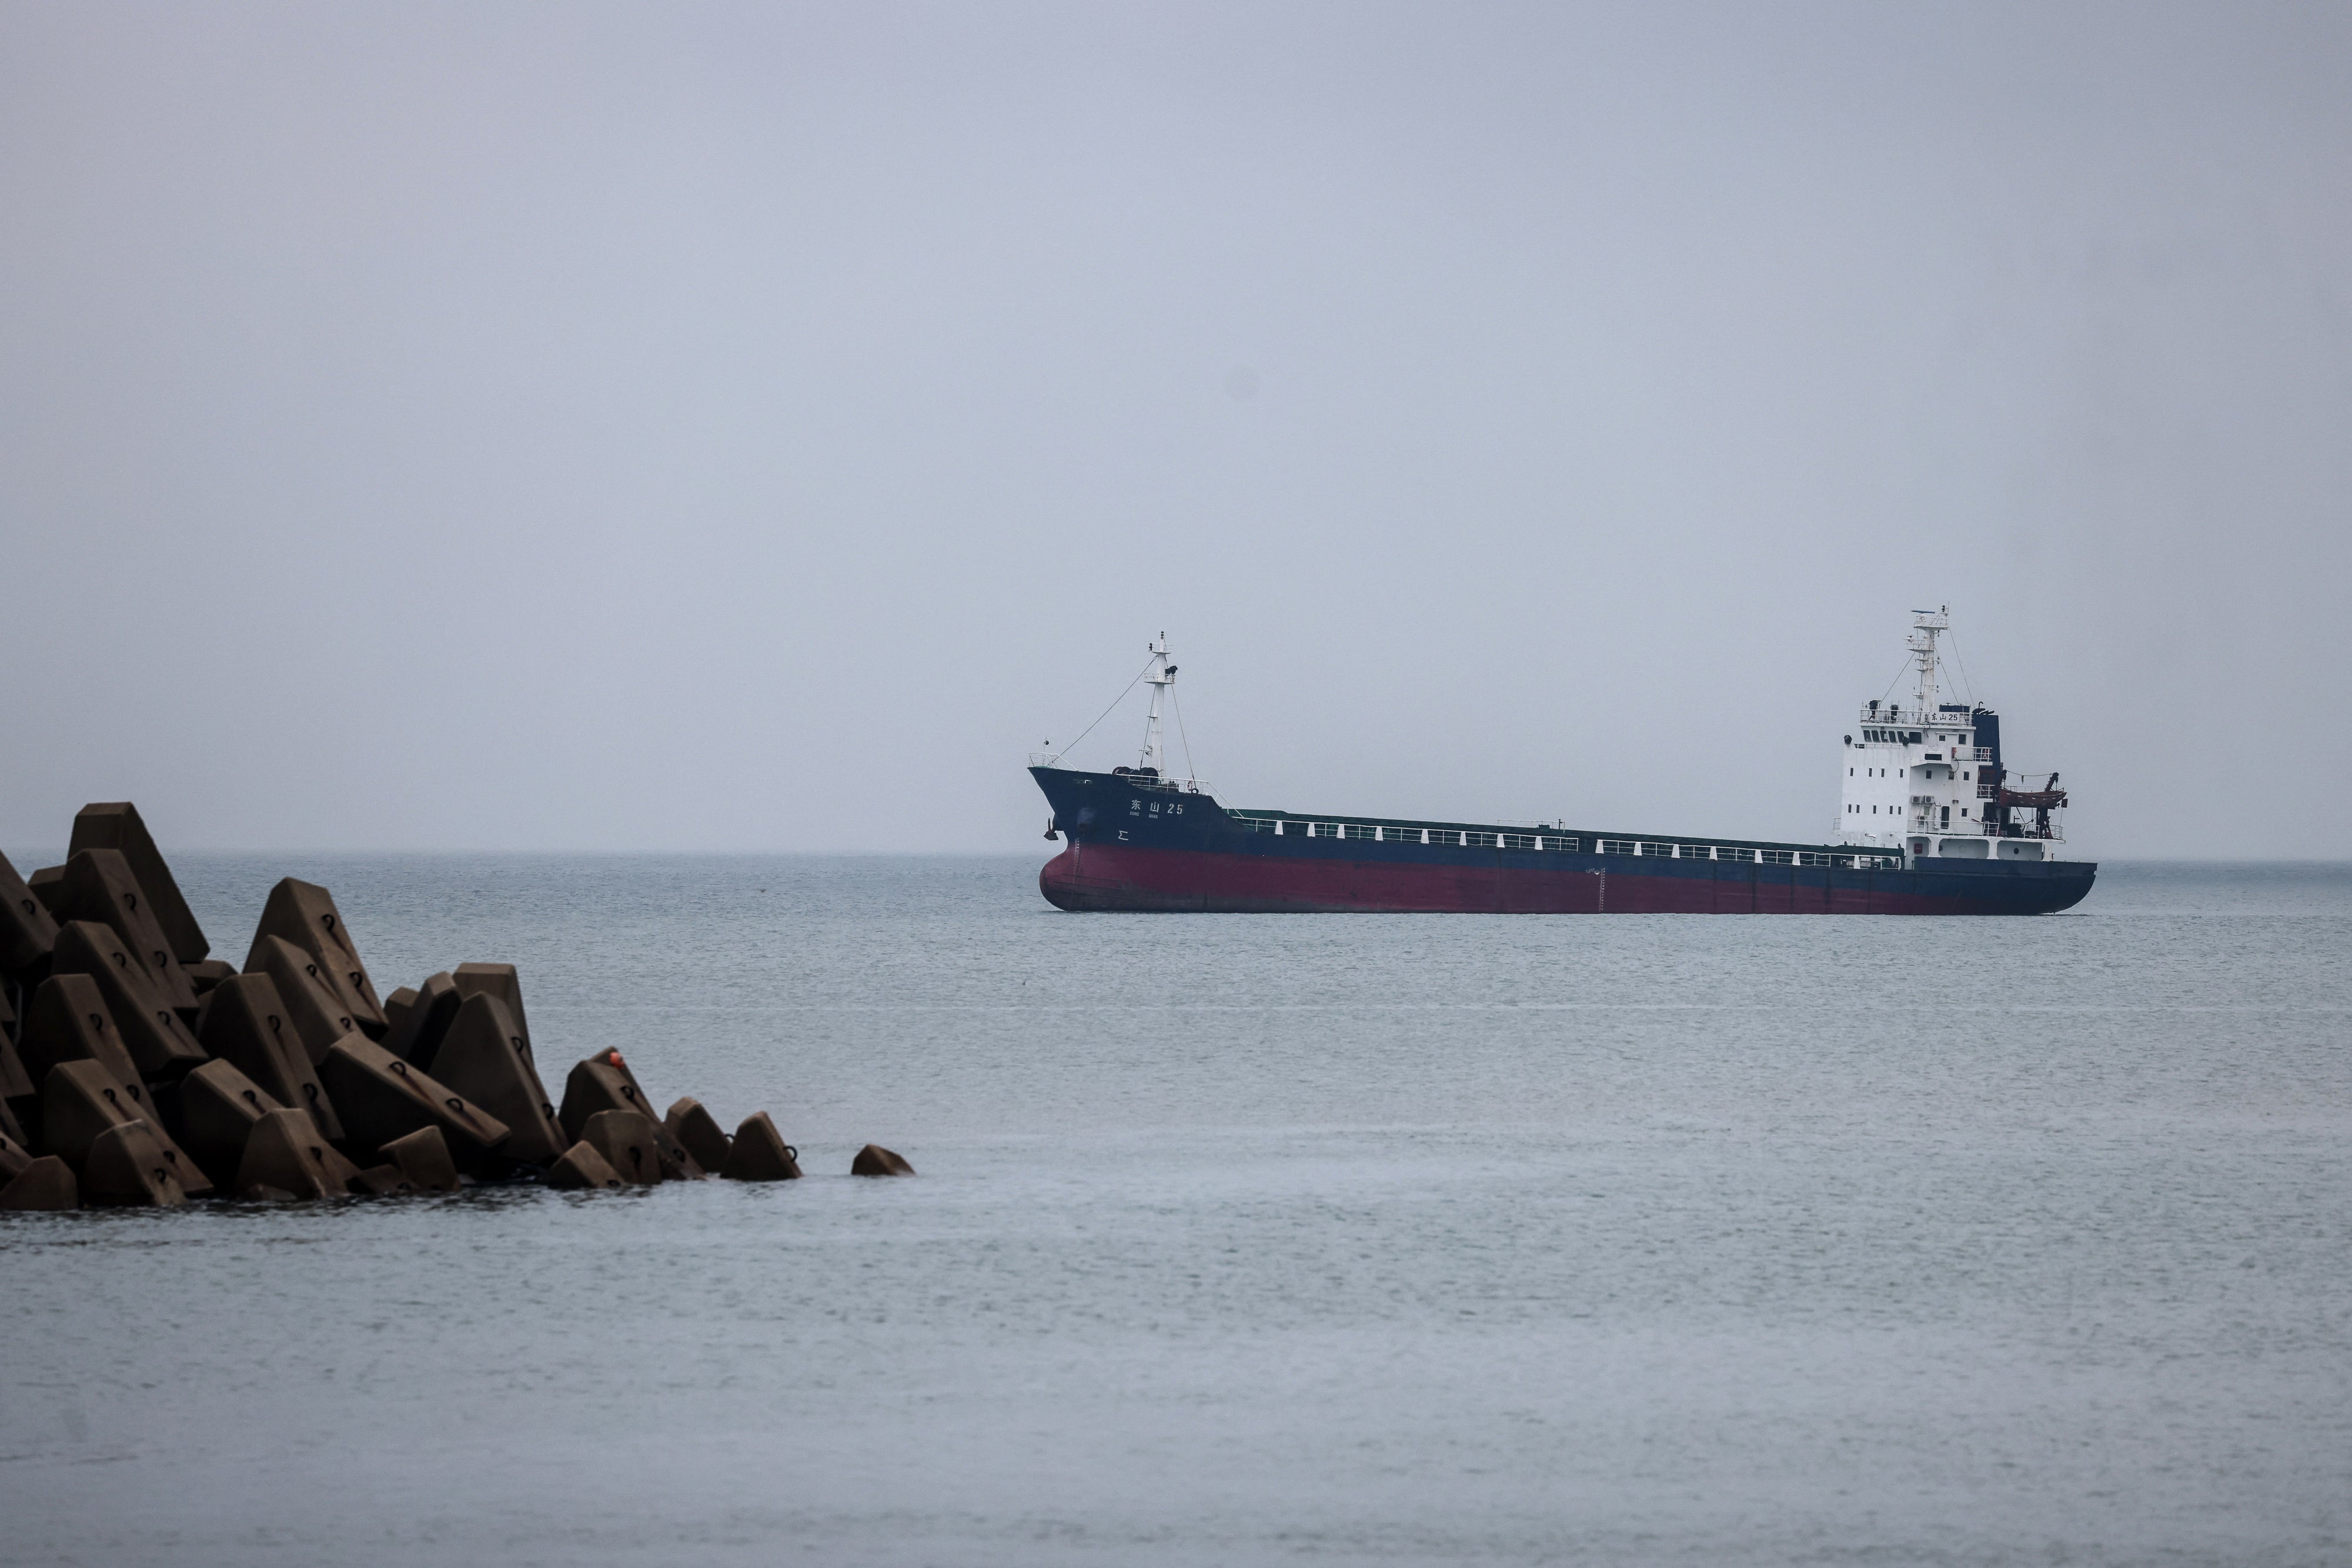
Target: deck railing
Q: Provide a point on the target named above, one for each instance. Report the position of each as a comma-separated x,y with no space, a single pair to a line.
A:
1139,780
1912,718
1548,842
1378,832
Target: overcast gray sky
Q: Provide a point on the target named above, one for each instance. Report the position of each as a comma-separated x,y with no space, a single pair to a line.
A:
758,427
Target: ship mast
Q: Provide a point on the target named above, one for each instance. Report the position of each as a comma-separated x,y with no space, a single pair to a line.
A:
1160,675
1925,624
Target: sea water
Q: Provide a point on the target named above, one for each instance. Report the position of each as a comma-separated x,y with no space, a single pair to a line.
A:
1270,1239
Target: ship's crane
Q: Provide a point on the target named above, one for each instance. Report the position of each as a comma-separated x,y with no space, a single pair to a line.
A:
2041,802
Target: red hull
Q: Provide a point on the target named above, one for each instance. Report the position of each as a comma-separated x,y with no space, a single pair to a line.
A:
1126,877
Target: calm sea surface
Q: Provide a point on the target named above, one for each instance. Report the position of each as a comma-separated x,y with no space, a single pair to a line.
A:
1256,1239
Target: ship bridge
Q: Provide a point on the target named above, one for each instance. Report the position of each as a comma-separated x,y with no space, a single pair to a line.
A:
1928,779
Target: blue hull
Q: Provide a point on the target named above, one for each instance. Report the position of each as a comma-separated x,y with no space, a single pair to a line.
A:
1138,843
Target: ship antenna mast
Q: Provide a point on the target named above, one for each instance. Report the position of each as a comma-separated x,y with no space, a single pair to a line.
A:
1925,624
1159,675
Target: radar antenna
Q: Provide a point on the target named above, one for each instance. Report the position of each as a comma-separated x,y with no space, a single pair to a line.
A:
1925,624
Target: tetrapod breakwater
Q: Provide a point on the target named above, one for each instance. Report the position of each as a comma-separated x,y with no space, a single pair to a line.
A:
138,1070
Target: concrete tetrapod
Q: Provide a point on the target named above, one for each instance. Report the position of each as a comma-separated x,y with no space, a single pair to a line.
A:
582,1167
485,1057
219,1107
115,825
246,1023
423,1160
80,1102
99,886
68,1021
27,929
677,1164
305,915
625,1139
206,972
419,1034
381,1098
160,1044
759,1152
12,1125
319,1013
698,1130
499,980
876,1160
395,1009
48,1183
286,1153
129,1165
14,1158
601,1082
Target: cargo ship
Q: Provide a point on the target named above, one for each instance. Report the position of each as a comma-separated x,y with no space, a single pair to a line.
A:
1932,821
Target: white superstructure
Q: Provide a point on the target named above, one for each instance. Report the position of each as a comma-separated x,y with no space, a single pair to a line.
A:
1928,779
